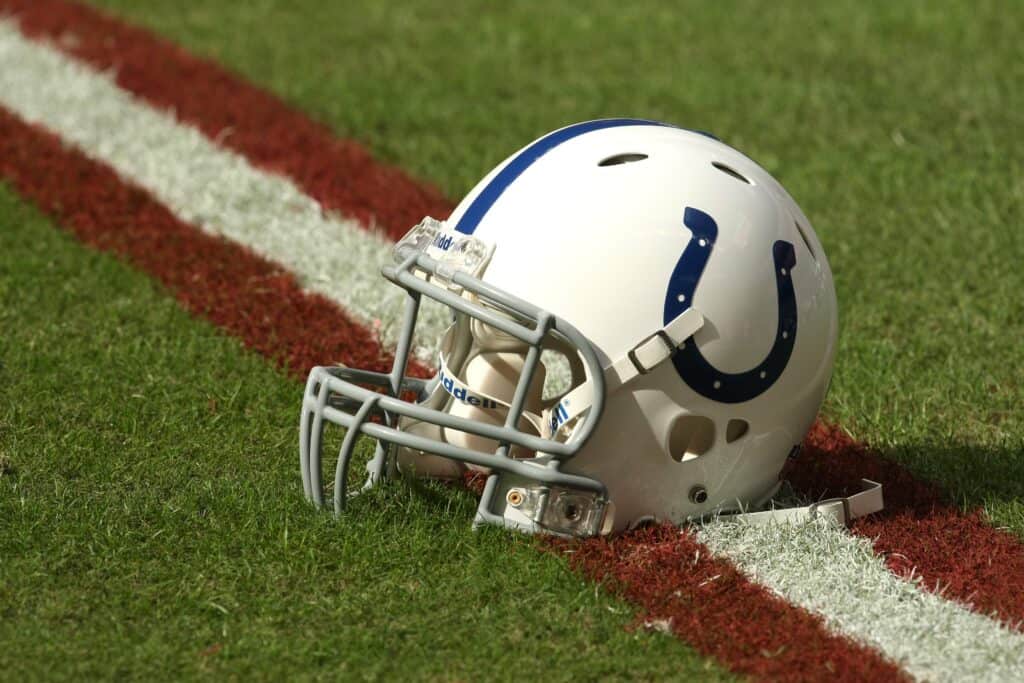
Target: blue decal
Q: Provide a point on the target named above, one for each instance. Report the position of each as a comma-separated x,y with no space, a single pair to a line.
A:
691,365
558,417
494,189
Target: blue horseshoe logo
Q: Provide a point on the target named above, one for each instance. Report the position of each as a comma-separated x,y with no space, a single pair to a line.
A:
691,365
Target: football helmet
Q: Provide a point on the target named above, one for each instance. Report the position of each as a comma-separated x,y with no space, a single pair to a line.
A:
644,327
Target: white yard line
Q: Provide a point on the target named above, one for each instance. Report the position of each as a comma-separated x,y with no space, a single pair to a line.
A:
820,568
203,184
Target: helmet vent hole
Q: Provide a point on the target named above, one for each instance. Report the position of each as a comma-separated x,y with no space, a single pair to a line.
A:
691,437
618,159
807,242
731,171
736,430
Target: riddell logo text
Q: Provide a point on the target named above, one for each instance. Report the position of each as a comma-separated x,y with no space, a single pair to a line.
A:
559,417
443,242
465,395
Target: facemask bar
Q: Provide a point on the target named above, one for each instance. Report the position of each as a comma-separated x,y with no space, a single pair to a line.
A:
333,394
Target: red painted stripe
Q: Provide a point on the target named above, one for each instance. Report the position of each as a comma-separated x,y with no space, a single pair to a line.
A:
710,605
340,174
254,299
919,533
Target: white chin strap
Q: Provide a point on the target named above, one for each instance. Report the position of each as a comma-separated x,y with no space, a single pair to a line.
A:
461,391
842,510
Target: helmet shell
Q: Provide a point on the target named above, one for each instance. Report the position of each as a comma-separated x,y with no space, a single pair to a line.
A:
588,224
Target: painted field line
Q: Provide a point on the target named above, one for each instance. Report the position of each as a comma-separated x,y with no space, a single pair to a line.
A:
684,588
920,534
338,173
824,569
205,185
250,297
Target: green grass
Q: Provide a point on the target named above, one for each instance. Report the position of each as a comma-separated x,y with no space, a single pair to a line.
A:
895,125
152,525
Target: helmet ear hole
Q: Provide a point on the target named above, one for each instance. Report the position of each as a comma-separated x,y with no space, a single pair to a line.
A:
736,429
691,437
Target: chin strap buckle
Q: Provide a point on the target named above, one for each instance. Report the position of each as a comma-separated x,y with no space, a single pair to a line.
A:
648,354
654,349
843,510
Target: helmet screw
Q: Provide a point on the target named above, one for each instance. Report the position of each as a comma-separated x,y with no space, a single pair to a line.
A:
514,498
572,512
698,495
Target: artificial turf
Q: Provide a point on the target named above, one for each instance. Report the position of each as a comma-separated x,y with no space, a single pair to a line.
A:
894,125
152,526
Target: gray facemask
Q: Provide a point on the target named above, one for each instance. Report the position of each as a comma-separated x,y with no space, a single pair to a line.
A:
528,493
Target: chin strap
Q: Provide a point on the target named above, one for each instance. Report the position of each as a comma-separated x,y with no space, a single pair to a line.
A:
843,510
654,349
461,391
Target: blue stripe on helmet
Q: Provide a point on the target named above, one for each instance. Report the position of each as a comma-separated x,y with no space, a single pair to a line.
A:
485,200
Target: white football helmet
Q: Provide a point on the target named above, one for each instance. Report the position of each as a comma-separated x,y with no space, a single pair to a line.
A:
677,291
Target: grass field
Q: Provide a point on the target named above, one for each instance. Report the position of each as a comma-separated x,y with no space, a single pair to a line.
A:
894,125
151,516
